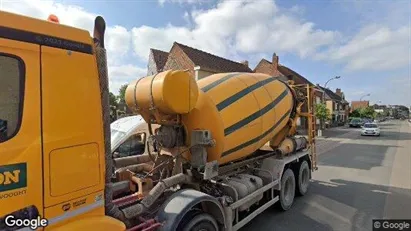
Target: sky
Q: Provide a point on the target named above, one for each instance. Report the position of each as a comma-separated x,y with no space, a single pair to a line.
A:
366,42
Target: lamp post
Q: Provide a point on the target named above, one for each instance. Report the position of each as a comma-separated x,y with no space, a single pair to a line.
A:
325,85
323,100
364,96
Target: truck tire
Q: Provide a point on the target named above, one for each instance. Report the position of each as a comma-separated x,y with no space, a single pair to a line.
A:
303,178
198,220
287,192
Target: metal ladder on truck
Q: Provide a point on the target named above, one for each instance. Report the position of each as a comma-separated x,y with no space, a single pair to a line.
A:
312,125
308,91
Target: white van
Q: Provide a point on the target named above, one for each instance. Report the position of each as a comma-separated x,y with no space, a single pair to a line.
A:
129,136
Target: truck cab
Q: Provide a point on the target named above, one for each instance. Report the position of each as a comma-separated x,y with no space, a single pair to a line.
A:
52,149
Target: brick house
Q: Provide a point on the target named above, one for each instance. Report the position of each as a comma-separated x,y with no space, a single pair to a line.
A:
156,61
274,68
200,64
337,105
359,104
344,104
270,68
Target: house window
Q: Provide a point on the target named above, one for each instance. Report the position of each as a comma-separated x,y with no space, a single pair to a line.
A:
11,95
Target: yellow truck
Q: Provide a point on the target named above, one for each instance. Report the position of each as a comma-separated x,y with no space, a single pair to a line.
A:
224,150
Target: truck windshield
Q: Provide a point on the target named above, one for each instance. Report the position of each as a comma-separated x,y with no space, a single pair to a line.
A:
116,135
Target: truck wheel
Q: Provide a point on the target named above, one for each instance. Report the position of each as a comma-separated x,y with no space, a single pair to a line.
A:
199,221
303,179
287,191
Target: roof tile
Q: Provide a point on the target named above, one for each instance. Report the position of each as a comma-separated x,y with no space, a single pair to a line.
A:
160,58
331,94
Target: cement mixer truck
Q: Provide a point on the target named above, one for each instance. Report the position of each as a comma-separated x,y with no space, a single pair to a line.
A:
221,150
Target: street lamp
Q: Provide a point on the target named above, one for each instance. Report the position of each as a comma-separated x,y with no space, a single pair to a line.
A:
364,96
323,99
336,77
325,85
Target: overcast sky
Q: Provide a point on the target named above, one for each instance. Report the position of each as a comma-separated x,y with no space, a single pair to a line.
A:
367,43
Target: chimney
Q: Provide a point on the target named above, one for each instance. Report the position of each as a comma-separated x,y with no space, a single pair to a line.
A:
275,61
338,92
245,63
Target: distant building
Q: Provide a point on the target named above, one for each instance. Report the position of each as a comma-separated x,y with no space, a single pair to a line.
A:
381,110
399,111
359,104
337,105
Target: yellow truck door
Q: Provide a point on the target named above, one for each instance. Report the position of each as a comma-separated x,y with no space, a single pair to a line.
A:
21,185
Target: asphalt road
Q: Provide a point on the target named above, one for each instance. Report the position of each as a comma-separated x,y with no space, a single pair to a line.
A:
359,179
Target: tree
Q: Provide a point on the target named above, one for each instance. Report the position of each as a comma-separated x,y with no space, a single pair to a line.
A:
113,100
322,112
367,112
386,113
355,113
122,93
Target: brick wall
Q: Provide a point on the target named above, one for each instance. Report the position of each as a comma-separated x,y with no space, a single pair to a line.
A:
359,104
266,67
178,60
151,66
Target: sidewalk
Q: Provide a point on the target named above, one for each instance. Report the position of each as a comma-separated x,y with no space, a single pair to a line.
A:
335,132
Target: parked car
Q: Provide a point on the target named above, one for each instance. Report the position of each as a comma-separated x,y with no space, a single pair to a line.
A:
367,120
129,136
355,123
370,129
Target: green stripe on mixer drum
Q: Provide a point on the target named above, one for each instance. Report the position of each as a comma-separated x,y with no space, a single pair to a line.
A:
219,81
258,138
227,102
255,115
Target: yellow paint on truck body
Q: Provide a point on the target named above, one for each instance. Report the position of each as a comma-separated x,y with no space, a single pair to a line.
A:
171,92
54,164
